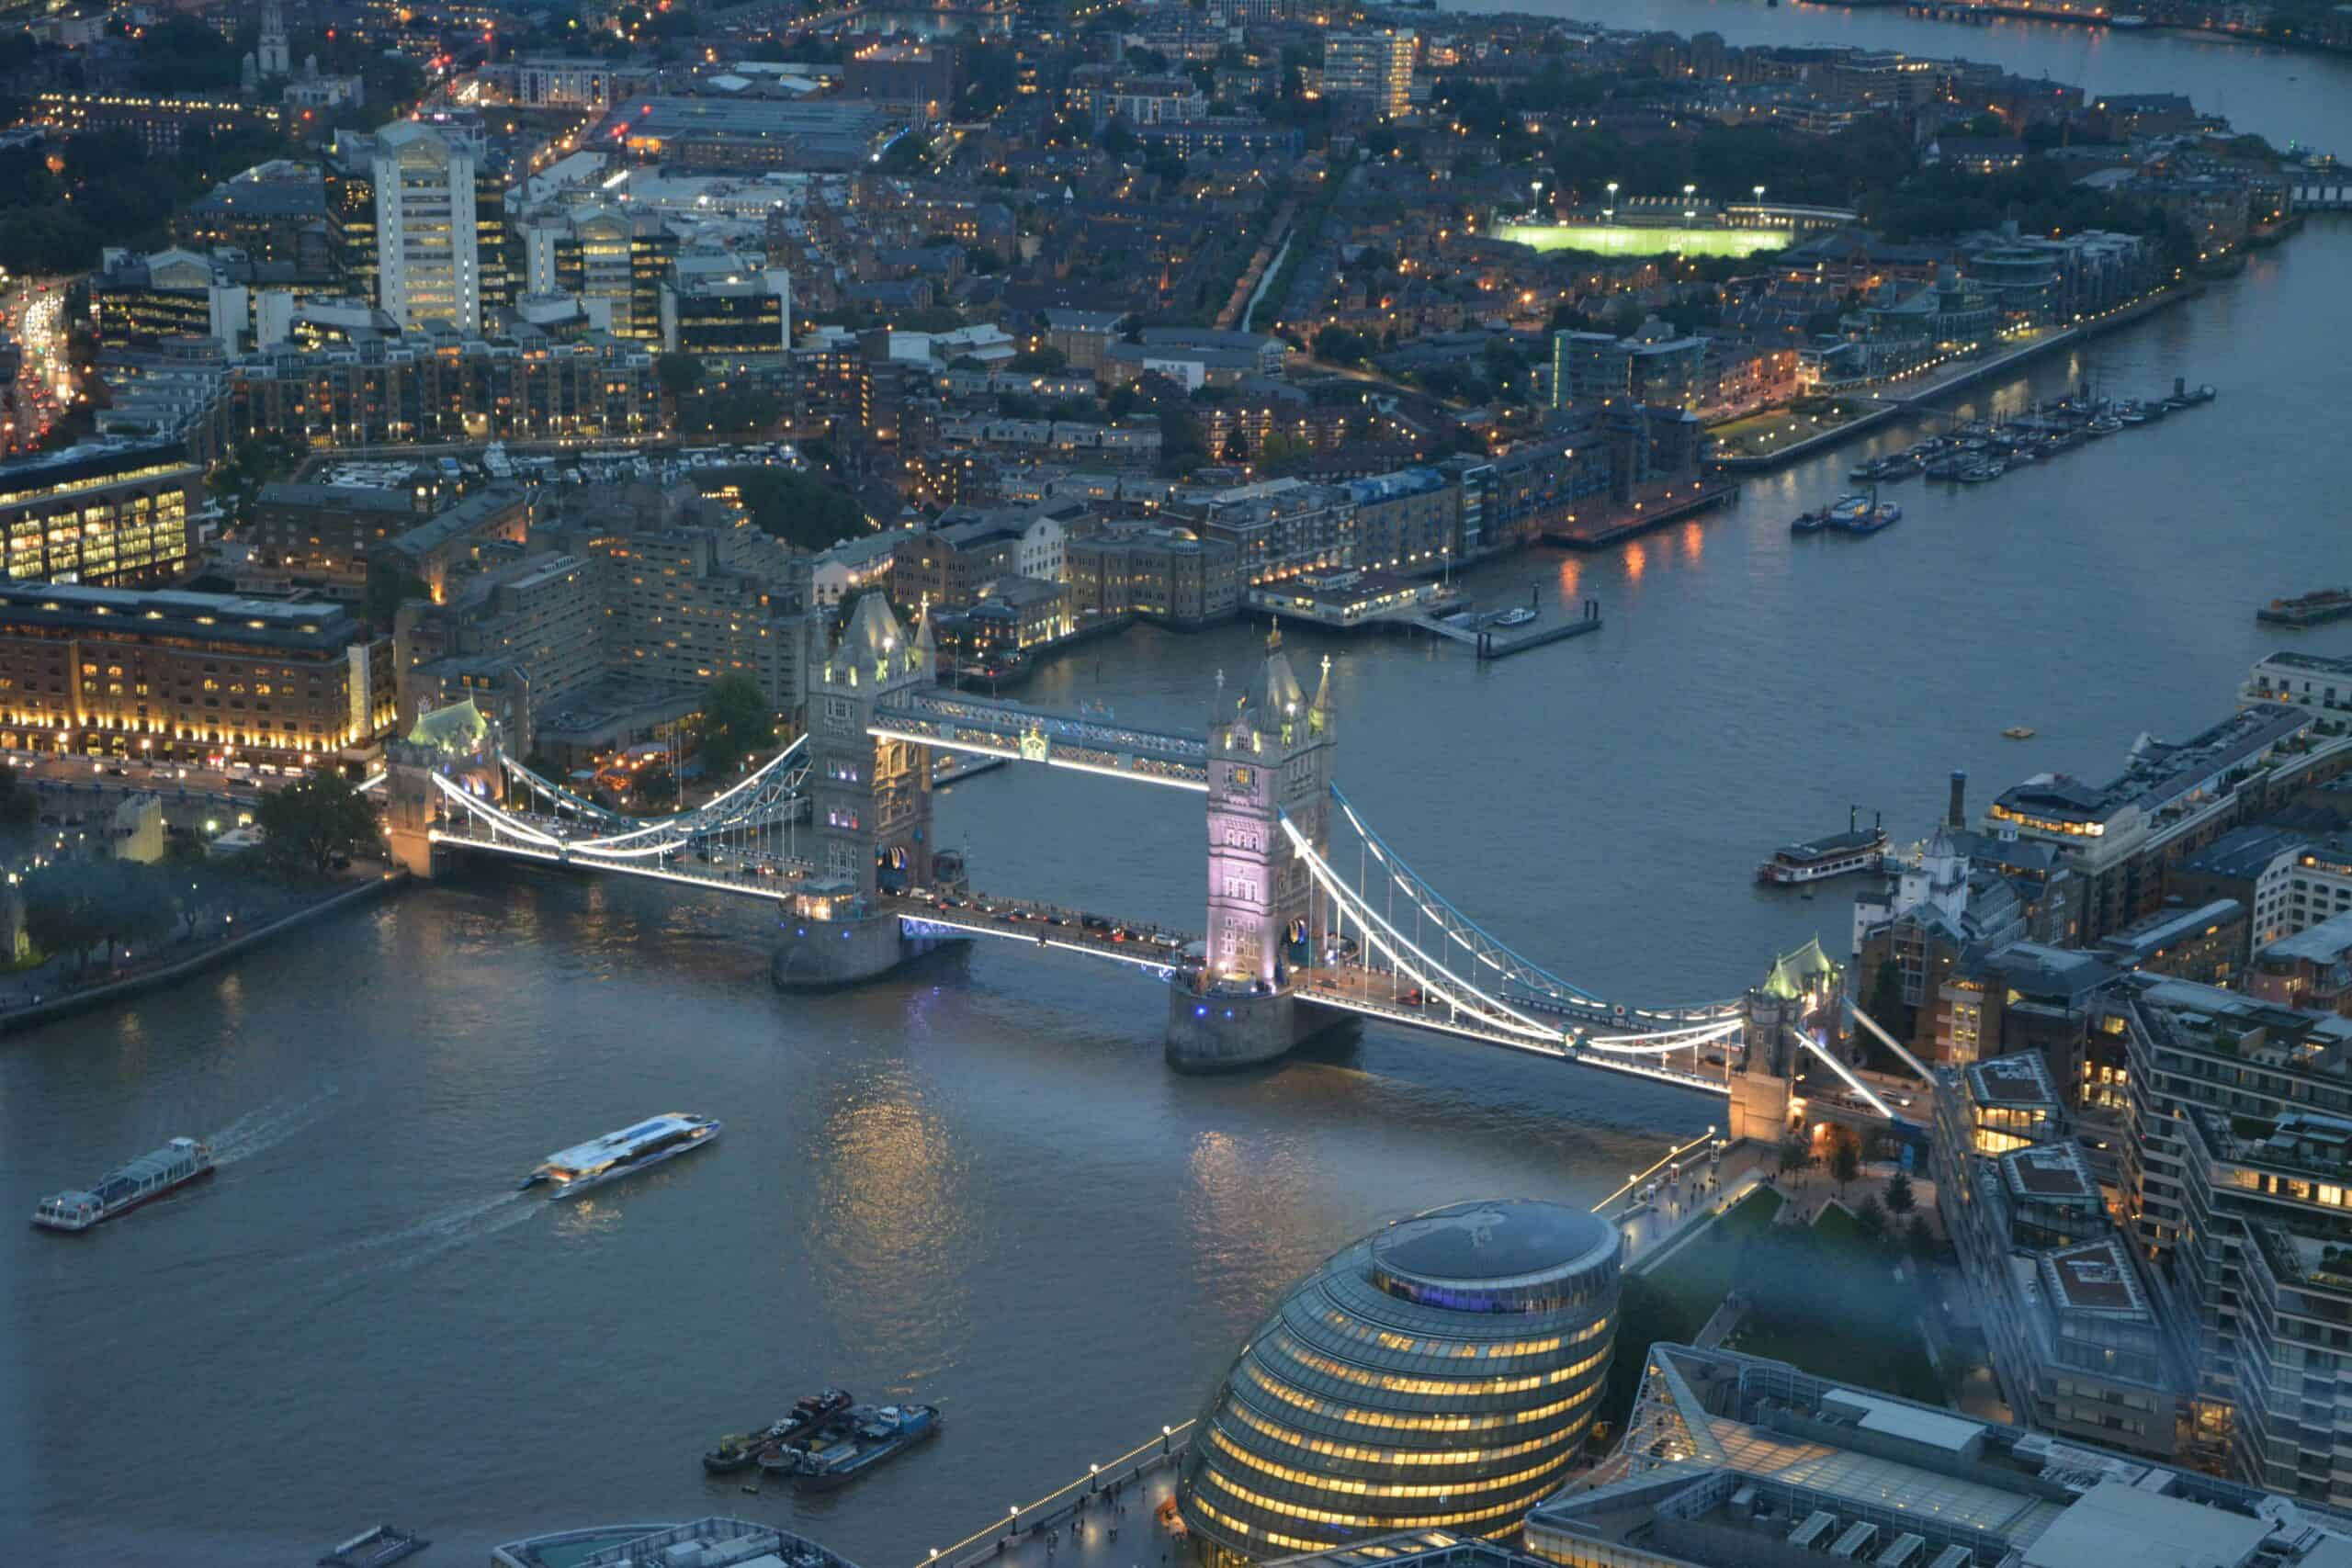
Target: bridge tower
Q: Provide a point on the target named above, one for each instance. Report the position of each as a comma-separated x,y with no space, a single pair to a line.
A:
1269,759
870,806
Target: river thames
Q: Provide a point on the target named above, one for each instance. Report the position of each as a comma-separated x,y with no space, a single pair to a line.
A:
977,1185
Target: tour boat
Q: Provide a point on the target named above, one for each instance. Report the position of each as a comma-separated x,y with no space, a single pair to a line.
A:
1518,617
1857,849
126,1187
572,1171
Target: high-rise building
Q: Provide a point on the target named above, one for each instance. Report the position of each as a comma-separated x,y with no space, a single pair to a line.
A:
428,253
1375,65
2239,1137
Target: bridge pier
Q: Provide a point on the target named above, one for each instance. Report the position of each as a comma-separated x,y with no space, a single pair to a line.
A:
1211,1034
812,954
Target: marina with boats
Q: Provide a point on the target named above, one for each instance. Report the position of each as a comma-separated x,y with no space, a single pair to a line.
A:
1981,450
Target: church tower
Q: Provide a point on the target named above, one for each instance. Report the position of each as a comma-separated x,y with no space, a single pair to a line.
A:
273,58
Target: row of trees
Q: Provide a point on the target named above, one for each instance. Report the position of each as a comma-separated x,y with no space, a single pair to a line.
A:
1880,1219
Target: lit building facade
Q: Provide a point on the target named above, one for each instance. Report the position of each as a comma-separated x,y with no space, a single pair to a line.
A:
100,511
428,253
188,676
1441,1373
1373,66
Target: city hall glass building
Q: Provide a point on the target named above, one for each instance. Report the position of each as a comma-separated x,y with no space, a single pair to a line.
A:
1442,1373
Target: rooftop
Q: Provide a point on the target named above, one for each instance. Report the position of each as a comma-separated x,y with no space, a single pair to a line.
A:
1489,1241
2166,928
2093,1276
2322,943
2015,1080
2243,853
2048,1171
212,617
2159,772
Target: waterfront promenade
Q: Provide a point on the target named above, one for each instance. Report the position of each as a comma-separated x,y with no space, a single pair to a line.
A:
1105,1517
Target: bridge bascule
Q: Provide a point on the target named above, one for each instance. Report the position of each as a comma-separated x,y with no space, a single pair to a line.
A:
1297,939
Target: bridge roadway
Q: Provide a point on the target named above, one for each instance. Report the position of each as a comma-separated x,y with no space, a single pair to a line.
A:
1140,944
751,872
1378,993
1025,734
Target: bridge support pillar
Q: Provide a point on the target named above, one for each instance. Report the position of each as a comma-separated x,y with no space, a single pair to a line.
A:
812,956
1212,1033
408,816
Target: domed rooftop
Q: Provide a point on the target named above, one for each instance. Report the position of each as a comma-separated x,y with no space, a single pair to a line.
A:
1440,1374
1491,1241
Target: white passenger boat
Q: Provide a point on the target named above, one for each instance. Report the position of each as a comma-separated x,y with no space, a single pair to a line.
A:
126,1187
569,1172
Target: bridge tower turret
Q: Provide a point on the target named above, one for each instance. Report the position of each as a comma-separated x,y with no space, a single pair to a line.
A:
870,806
1270,758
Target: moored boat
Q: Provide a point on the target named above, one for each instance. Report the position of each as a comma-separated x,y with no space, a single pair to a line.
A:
1856,849
2308,609
2018,732
878,1433
1519,617
126,1187
1809,522
374,1548
569,1172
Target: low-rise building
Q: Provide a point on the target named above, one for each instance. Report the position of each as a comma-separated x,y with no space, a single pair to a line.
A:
318,536
2254,866
2204,942
1162,573
2311,969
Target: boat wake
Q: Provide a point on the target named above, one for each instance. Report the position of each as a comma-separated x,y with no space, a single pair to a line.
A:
258,1131
432,1236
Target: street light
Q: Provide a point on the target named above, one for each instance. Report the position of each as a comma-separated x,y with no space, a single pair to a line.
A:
1611,211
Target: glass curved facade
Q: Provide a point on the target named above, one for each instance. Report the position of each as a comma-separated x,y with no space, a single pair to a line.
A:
1443,1373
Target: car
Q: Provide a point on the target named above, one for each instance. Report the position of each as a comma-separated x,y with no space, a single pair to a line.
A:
1055,921
1412,996
1016,914
1121,933
1161,938
115,773
1093,923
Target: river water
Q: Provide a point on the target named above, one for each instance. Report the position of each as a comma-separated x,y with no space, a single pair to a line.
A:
976,1184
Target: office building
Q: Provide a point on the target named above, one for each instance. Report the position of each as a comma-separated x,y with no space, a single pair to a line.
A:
613,262
1733,1462
717,307
2256,867
99,512
1372,68
1440,1374
966,548
439,226
188,677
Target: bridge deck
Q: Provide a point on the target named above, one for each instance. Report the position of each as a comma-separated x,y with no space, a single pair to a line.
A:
747,872
1025,734
1140,944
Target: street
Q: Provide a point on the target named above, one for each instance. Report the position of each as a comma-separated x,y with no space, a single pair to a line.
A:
33,312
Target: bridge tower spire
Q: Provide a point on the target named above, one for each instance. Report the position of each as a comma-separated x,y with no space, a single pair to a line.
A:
1270,758
869,803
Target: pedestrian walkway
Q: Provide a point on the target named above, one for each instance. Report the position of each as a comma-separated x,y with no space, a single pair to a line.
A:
1107,1518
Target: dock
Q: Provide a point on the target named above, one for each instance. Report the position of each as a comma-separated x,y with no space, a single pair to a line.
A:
1601,532
1492,642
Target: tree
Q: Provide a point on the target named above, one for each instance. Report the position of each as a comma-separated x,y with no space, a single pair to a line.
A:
1339,347
737,721
18,805
680,373
309,822
391,584
1900,1200
1795,1154
1115,140
655,786
1870,1220
1919,1238
1845,1157
798,508
61,913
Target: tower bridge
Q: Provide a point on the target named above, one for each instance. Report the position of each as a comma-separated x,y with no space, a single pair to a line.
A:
1295,940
